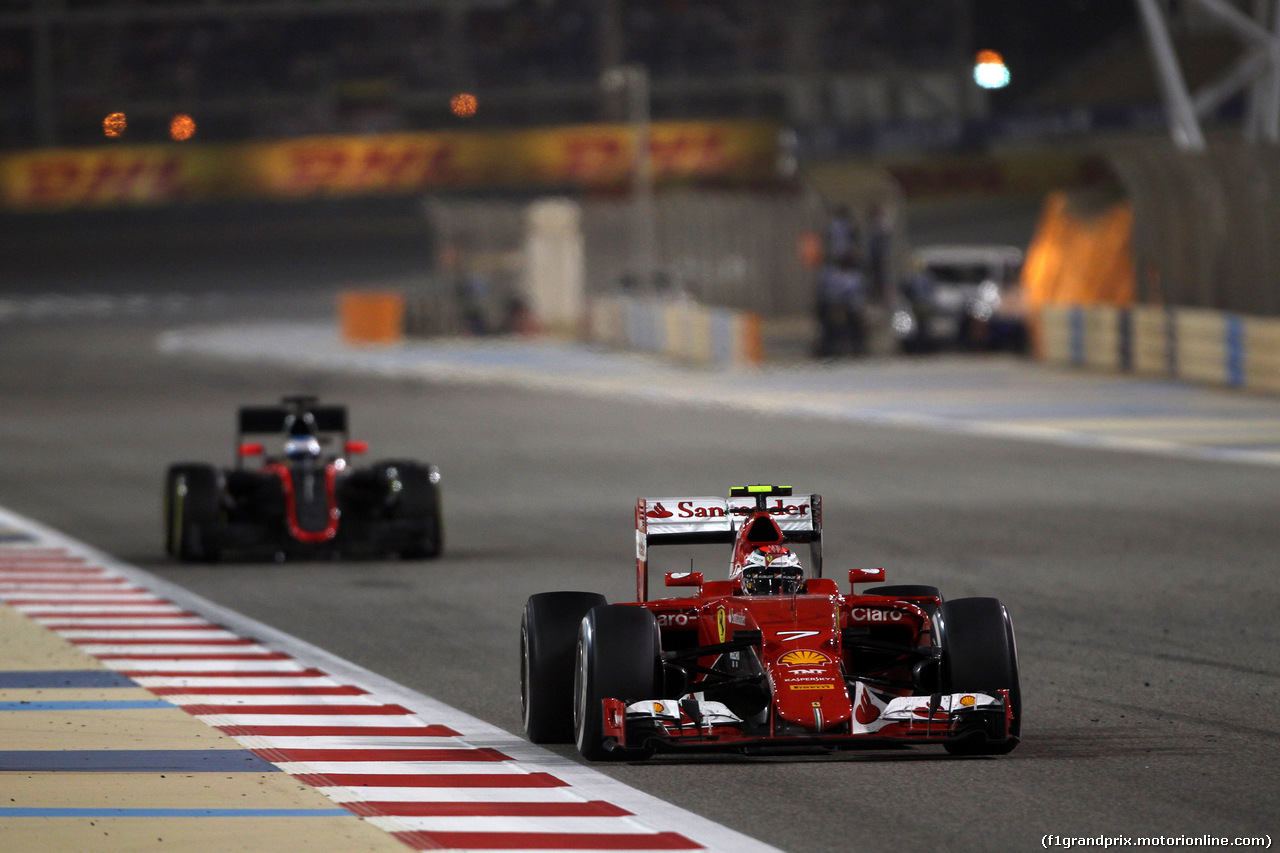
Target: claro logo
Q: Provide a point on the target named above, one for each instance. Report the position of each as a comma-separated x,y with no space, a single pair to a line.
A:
866,614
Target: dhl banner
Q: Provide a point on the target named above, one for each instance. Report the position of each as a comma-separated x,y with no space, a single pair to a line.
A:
109,176
586,156
604,155
353,165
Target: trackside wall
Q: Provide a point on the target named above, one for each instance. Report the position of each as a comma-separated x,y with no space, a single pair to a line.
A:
678,328
1197,345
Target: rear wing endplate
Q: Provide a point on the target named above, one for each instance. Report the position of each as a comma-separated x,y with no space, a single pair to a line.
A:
711,520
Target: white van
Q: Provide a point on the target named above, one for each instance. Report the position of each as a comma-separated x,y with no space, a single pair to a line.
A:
962,296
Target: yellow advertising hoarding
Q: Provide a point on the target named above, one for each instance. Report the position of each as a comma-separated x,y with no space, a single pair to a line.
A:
585,156
604,155
355,165
109,176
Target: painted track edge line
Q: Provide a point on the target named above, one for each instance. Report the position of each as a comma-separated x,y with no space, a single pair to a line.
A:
591,783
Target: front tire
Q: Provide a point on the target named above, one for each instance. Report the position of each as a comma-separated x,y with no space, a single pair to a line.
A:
905,590
619,656
418,502
548,645
193,512
980,655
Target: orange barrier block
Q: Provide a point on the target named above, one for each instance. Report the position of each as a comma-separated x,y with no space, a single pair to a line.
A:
752,339
371,317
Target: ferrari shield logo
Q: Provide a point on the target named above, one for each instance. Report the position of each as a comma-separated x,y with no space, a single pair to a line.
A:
720,628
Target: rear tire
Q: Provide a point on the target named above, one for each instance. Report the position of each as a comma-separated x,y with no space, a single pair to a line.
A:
619,655
981,656
193,513
548,645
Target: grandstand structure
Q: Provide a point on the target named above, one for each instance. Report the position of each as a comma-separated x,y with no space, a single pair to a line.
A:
1253,75
278,68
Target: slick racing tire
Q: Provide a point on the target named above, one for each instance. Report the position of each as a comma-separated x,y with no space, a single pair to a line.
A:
981,656
417,501
193,512
548,645
619,654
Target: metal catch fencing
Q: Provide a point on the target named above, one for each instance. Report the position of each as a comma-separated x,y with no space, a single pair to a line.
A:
734,249
1206,225
727,248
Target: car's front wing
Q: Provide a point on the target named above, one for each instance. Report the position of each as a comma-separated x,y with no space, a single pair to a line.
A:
695,724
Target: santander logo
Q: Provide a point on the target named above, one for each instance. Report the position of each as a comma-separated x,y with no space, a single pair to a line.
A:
659,511
866,712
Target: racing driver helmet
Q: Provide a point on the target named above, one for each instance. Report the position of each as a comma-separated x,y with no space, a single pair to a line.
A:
301,444
772,570
301,448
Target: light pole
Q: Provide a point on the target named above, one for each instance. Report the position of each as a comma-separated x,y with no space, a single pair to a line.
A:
42,88
633,82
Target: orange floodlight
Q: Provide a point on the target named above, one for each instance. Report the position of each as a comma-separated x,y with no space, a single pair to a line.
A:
463,105
182,127
114,125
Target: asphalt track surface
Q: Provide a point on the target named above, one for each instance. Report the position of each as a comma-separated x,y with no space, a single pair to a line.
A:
1143,587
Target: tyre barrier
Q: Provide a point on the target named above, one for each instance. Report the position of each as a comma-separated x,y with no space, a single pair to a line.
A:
1192,344
678,328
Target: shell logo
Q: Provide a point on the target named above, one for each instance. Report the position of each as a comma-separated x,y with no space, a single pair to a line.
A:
803,657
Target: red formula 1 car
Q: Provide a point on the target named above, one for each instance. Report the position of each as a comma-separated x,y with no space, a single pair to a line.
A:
769,657
302,500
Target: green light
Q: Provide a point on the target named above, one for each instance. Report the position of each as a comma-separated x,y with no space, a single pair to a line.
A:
759,489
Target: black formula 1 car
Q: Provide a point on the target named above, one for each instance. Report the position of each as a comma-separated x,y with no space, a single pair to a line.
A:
306,499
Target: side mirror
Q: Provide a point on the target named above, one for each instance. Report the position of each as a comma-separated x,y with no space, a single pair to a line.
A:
683,579
866,576
353,447
251,448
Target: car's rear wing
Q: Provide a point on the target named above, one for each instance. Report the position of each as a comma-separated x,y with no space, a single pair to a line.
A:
256,420
273,419
711,520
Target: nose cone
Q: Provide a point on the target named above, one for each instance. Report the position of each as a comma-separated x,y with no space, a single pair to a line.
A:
812,697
